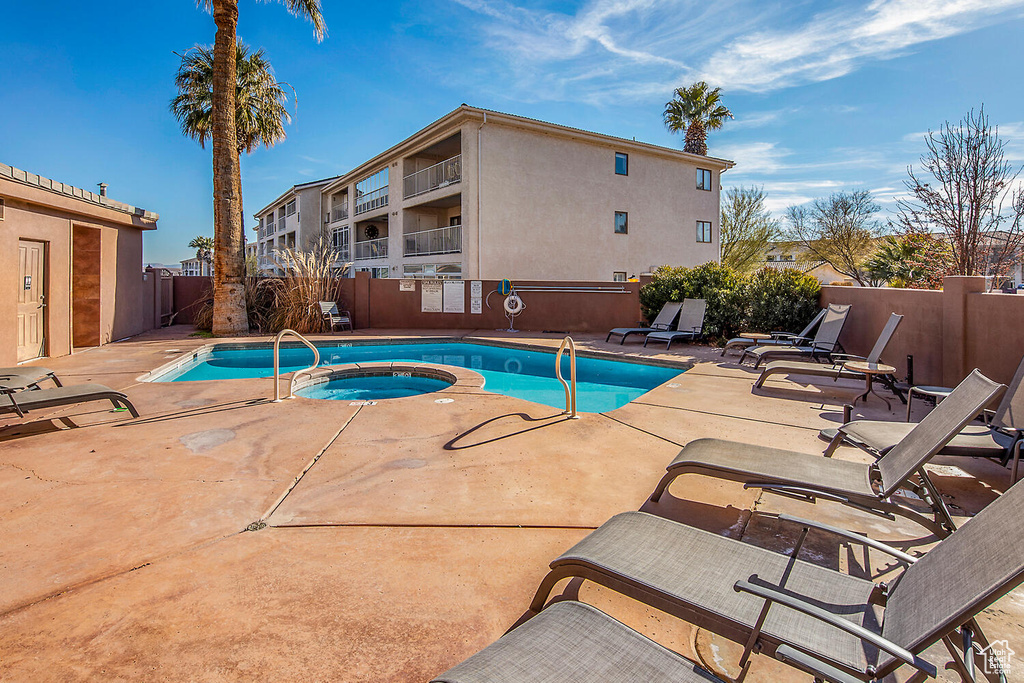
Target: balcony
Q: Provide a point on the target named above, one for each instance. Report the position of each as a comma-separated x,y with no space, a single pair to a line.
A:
371,249
372,200
339,213
447,240
441,174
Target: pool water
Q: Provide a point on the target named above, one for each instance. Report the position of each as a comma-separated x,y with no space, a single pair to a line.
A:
601,385
372,388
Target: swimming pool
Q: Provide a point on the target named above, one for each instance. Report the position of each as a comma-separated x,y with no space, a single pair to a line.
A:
601,384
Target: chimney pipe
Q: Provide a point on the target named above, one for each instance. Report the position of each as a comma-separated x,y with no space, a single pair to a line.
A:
103,189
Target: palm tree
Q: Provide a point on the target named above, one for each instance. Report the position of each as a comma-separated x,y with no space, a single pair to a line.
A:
229,315
696,110
261,109
203,247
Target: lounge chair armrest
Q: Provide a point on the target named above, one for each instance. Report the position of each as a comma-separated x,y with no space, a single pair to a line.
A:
842,624
846,356
852,536
813,665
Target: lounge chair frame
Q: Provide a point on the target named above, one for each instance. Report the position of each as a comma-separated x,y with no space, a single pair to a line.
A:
778,338
662,323
24,401
825,342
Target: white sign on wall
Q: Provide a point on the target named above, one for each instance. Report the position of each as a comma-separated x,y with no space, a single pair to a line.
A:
431,296
406,285
476,305
454,296
476,289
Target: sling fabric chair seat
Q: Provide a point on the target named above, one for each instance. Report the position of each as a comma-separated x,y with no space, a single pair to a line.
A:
666,316
21,402
863,486
711,581
27,375
690,573
825,342
571,642
835,370
778,338
689,326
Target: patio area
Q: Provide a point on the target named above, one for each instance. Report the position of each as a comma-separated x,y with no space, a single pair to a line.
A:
225,537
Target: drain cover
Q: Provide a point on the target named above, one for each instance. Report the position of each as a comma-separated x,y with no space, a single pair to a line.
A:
444,400
363,403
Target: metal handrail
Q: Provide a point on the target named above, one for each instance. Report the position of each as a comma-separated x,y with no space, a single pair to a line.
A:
277,364
570,392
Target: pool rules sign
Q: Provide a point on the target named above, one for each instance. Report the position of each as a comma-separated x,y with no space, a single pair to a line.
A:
431,296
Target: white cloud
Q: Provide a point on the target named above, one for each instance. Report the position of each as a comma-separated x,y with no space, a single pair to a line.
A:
752,157
644,48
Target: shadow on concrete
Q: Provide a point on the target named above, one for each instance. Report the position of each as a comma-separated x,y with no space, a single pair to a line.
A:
455,445
203,410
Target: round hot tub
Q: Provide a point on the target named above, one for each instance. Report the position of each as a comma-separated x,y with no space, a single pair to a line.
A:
375,384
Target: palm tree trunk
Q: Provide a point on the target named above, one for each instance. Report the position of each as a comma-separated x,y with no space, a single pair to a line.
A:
229,316
696,138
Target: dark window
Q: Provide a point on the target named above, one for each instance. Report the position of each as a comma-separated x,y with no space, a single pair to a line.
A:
703,179
1,208
621,163
621,223
703,231
619,276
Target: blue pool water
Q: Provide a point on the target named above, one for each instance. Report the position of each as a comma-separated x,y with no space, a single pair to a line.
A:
372,388
601,384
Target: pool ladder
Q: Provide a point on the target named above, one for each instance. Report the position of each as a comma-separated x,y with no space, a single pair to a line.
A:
570,386
296,375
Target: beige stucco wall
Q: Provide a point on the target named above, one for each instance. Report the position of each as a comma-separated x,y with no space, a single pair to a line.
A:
548,206
34,214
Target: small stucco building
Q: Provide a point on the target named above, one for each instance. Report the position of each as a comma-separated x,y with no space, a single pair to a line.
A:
484,194
70,268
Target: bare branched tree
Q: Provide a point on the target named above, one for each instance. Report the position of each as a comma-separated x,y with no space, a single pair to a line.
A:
839,230
748,229
970,185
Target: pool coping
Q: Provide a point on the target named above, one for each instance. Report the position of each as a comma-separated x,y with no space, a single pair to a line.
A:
165,369
458,378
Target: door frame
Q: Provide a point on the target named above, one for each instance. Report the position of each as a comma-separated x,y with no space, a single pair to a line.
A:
44,347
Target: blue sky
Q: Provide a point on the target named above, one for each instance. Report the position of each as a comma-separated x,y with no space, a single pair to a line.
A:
828,96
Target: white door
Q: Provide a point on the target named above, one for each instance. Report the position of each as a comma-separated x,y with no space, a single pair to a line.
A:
31,299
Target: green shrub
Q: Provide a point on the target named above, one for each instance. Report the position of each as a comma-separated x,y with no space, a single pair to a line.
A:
766,300
782,300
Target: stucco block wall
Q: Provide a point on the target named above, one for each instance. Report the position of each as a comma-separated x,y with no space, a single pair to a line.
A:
948,332
548,205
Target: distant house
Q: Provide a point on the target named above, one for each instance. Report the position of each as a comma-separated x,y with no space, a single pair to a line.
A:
483,194
72,267
787,255
196,266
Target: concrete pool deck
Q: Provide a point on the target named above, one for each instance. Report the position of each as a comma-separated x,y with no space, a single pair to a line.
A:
387,542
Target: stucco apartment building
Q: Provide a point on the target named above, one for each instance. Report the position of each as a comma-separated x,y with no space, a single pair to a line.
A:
482,194
70,267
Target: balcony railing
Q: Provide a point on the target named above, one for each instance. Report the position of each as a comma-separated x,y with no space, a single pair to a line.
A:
444,173
339,213
372,200
280,224
370,249
447,240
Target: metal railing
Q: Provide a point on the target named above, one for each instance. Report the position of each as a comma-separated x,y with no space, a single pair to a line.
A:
339,213
570,387
372,200
295,376
369,249
440,174
446,240
281,224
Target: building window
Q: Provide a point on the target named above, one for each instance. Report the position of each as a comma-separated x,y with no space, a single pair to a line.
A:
1,208
621,163
703,179
703,231
621,223
619,276
289,208
339,240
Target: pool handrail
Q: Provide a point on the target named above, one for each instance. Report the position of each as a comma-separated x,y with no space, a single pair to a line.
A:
570,392
277,364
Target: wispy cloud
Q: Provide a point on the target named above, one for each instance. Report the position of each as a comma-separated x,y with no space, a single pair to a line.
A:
643,48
